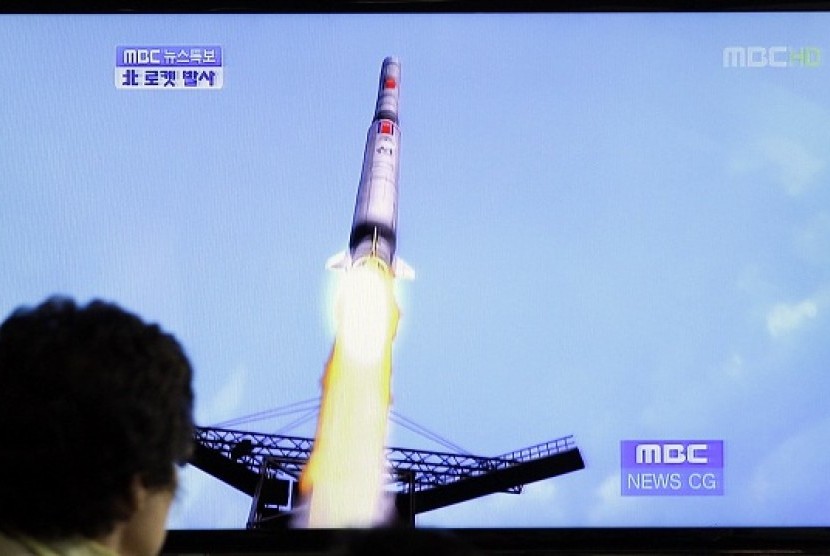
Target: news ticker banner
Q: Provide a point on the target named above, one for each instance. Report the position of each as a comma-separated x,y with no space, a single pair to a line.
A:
671,467
169,68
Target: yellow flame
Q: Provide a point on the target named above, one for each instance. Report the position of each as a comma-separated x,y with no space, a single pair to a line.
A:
343,482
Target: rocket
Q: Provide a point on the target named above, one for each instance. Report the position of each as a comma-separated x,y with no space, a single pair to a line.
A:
374,225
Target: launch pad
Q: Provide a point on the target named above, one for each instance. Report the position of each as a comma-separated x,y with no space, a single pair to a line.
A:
267,468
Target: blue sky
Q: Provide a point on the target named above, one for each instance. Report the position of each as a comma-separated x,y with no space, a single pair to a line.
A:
614,236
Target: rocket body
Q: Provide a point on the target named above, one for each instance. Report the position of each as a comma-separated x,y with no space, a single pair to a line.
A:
375,220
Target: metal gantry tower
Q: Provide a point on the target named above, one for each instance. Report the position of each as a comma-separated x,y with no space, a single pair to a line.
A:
267,467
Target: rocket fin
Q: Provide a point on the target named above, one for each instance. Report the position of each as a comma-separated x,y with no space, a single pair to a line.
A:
340,261
402,270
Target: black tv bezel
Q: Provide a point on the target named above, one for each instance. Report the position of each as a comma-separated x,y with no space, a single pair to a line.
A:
503,541
520,541
402,6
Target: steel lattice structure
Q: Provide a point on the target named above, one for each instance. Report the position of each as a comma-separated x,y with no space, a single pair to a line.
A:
420,469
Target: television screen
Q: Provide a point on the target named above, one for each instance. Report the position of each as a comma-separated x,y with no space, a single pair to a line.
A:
619,226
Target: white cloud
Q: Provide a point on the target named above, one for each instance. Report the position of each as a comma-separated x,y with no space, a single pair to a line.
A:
813,240
785,318
735,367
226,402
793,167
794,475
610,506
538,505
796,168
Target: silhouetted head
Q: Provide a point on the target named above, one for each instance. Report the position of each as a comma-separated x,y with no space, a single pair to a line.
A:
95,413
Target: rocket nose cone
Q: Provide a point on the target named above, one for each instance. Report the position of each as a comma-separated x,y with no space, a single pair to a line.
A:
391,68
388,90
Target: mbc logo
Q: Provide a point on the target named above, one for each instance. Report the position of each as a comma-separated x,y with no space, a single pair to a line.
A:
143,56
671,467
772,57
666,454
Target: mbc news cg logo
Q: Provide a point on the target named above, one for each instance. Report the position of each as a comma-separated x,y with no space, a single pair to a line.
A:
671,467
771,57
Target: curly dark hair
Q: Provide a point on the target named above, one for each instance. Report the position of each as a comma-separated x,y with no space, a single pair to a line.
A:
90,398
